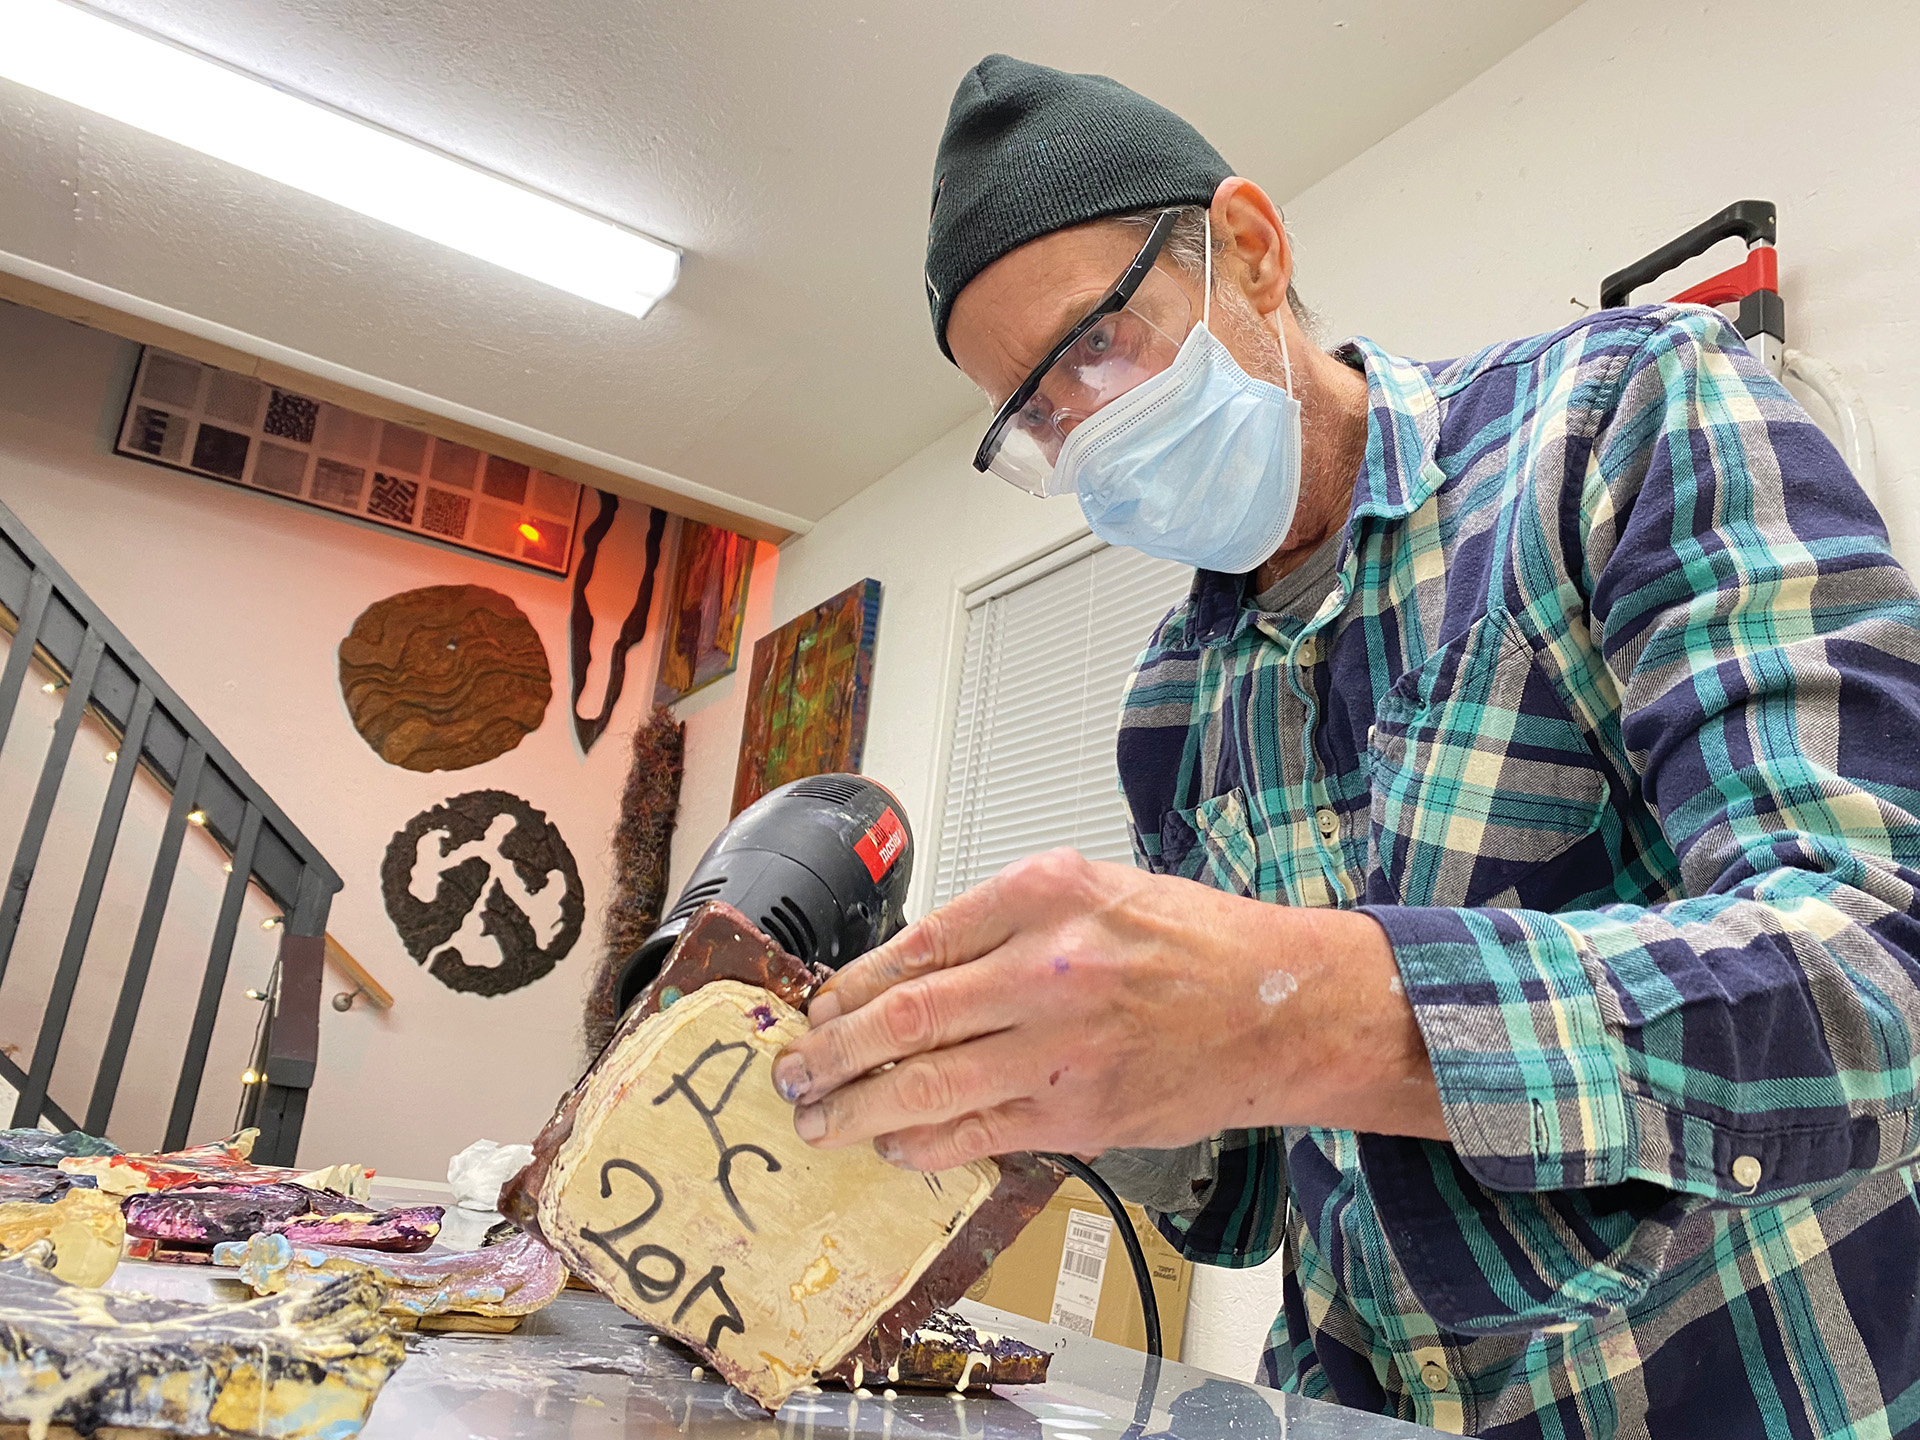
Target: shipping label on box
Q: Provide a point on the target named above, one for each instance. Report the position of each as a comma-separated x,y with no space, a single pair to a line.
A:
1083,1261
1070,1268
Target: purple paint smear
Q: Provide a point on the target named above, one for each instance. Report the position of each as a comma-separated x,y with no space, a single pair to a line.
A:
762,1017
208,1213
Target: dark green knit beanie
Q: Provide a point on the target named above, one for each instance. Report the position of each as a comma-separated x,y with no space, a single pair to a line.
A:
1029,150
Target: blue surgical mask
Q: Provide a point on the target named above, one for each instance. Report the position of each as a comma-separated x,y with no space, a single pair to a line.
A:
1199,464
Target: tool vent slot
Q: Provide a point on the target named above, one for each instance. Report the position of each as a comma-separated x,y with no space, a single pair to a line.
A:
826,787
696,896
776,924
788,924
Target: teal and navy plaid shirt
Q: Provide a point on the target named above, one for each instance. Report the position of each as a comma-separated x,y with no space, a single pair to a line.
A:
1613,722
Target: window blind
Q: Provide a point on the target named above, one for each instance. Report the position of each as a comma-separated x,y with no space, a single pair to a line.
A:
1046,659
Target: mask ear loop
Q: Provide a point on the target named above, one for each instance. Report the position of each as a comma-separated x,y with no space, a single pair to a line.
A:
1280,326
1206,293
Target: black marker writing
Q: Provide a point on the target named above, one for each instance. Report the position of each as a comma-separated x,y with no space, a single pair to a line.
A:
651,1288
683,1084
728,1319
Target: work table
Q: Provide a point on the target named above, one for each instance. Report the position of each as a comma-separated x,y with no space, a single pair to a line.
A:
584,1370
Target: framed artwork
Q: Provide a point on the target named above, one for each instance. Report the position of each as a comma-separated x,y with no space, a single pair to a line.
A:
226,426
807,695
706,604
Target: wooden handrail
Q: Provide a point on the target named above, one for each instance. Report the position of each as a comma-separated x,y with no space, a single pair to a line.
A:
363,981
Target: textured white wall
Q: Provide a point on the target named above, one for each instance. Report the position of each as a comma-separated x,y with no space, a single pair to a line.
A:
240,602
1621,126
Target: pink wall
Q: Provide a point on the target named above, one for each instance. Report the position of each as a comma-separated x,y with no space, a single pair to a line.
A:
239,601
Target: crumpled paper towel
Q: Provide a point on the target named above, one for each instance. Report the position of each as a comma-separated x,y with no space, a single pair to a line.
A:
476,1174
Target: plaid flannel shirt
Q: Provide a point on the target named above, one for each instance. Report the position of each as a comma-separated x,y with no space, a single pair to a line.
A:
1613,723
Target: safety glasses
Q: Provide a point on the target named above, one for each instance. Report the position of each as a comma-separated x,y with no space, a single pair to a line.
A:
1133,334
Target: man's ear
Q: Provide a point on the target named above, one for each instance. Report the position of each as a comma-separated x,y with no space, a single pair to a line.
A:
1255,246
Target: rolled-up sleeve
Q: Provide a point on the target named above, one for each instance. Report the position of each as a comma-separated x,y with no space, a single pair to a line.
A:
1607,1071
1240,1215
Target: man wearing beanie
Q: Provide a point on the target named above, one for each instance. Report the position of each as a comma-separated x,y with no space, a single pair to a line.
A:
1527,929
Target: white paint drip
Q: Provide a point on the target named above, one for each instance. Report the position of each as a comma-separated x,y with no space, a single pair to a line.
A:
1278,985
975,1360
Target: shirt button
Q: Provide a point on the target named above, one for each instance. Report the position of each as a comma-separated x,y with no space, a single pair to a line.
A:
1308,651
1329,824
1433,1375
1746,1172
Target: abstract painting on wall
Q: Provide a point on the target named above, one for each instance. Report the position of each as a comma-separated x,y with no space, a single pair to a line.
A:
705,606
807,695
223,425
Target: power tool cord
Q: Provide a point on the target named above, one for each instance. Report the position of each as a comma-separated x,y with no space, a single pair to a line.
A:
1142,1277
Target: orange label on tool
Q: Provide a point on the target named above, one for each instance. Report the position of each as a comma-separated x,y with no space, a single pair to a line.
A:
882,844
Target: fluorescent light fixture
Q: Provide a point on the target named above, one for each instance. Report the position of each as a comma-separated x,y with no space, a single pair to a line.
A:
87,60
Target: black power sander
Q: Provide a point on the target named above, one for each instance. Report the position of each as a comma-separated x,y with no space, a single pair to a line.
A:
822,865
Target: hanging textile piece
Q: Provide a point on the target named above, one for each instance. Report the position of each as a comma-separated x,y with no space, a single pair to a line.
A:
642,848
588,729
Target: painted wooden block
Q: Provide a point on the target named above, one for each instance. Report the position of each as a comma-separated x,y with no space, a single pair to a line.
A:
671,1177
205,1214
686,1197
221,1160
83,1226
511,1279
306,1365
38,1147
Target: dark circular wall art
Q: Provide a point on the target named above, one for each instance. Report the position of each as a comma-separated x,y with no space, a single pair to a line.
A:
502,866
444,677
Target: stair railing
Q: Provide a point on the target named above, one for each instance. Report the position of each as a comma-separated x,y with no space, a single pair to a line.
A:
56,626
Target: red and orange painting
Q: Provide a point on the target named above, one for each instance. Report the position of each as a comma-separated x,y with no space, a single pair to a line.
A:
705,607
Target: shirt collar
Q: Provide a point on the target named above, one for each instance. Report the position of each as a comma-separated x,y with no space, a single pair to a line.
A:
1396,478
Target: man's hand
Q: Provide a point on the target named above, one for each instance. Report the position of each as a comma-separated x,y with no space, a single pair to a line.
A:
1069,1005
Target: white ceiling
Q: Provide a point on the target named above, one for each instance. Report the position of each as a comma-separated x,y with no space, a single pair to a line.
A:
785,144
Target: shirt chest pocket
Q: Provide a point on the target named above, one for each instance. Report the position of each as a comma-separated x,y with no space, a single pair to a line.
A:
1212,843
1482,782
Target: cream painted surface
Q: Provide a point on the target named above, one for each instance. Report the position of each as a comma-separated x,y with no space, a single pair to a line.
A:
239,601
787,148
1473,224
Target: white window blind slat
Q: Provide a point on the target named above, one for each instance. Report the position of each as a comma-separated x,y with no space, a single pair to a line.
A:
1047,656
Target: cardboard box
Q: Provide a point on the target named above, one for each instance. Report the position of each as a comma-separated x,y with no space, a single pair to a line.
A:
1072,1254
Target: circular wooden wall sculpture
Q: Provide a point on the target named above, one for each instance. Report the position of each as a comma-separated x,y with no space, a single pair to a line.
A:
500,878
444,677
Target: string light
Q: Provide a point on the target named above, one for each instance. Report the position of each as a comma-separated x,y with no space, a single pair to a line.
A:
52,687
256,994
111,756
272,922
196,817
249,1077
227,869
532,532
